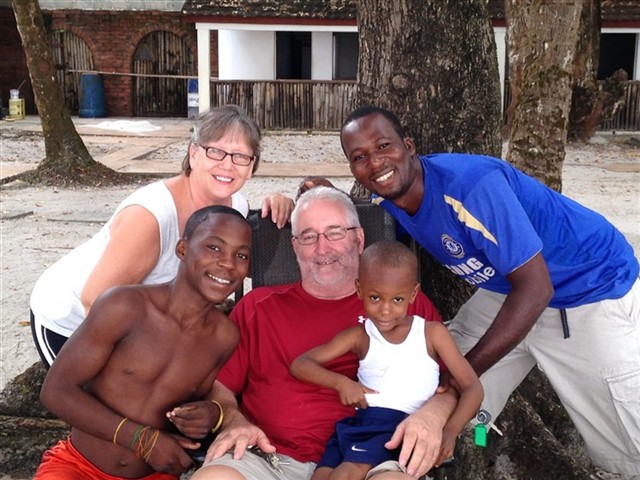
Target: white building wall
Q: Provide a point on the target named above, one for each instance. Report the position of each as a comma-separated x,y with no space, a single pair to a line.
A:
246,55
321,55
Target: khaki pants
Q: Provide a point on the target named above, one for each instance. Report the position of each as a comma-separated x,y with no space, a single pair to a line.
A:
253,467
595,372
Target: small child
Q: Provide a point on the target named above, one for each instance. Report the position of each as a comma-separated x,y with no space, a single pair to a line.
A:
398,369
143,351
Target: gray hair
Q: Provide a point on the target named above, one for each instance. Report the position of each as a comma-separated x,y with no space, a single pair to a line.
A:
329,194
214,124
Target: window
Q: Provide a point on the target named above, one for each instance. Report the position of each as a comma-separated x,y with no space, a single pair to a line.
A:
617,50
345,46
293,55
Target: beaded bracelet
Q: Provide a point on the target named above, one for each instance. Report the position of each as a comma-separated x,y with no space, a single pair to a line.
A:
220,417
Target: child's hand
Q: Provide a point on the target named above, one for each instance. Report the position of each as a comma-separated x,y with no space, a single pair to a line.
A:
352,393
194,419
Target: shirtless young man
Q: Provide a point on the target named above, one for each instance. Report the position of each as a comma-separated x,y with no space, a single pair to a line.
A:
147,350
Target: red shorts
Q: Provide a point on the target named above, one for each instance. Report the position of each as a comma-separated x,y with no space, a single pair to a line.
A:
64,462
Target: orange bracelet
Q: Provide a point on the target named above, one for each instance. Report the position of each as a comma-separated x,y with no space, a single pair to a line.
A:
220,418
115,434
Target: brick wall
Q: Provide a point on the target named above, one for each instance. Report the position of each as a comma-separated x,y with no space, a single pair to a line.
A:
112,37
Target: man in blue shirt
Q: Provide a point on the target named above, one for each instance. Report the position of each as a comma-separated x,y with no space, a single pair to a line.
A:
558,284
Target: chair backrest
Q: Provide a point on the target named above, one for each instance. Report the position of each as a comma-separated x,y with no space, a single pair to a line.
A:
272,259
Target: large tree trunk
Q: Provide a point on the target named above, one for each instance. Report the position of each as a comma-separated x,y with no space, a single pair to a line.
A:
434,64
542,36
585,112
67,158
592,103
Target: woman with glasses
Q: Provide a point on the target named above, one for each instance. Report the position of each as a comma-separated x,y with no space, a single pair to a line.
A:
136,246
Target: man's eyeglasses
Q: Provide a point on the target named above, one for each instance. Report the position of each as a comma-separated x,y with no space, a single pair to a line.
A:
215,153
332,234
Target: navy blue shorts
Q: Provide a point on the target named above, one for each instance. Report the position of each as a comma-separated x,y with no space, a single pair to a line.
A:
361,438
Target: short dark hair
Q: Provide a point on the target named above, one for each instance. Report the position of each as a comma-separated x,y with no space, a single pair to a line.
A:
214,124
202,215
389,254
370,110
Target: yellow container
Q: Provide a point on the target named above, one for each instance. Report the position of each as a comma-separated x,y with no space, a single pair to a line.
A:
16,108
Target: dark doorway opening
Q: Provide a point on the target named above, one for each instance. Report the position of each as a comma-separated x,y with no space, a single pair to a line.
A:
293,55
617,50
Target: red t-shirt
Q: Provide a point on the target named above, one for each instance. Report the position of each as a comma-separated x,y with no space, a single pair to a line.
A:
277,324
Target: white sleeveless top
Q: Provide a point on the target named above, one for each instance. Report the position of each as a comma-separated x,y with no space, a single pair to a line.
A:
55,299
404,374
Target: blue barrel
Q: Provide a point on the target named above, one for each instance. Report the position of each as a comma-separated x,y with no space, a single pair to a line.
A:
91,96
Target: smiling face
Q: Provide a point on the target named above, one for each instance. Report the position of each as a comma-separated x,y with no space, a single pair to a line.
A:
328,268
386,295
216,256
382,161
217,180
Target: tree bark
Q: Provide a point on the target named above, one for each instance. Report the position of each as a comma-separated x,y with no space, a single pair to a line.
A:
434,64
67,158
586,102
592,103
542,36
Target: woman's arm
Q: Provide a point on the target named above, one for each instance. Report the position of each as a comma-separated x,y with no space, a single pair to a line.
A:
130,255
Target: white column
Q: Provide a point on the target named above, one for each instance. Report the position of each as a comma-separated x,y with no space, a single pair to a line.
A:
204,67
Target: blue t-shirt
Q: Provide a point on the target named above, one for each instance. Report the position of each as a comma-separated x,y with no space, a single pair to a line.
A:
482,219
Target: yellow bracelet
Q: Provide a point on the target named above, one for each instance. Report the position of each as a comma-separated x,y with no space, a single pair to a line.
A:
115,434
220,418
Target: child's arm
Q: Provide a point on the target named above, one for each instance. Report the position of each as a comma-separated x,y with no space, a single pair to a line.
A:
467,383
308,366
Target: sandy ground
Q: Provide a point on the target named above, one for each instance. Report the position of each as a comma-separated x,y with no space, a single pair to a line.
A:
39,225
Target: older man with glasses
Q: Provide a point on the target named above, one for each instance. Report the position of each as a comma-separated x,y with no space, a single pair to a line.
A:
278,413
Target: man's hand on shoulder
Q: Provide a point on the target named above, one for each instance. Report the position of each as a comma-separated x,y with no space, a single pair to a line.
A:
310,182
